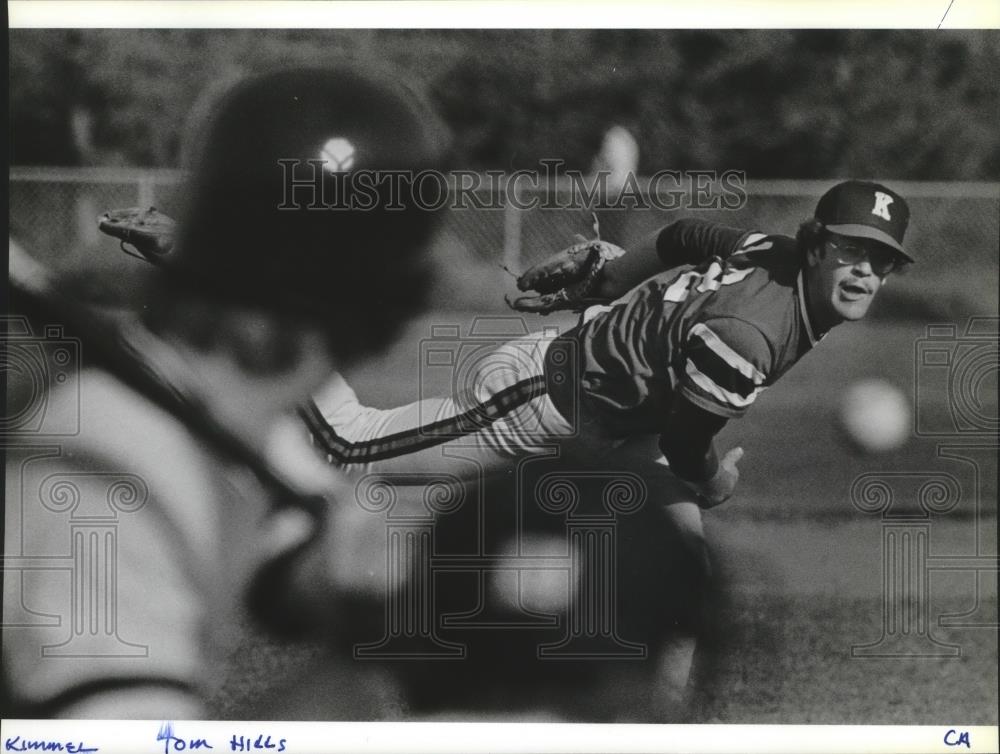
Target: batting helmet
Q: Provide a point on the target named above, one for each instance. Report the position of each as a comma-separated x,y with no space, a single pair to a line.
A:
303,197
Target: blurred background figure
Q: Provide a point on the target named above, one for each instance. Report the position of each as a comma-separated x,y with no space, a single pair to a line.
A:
618,159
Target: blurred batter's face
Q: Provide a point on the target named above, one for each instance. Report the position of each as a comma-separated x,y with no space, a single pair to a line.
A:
843,276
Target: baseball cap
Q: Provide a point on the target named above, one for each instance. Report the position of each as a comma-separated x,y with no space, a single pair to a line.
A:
863,209
304,196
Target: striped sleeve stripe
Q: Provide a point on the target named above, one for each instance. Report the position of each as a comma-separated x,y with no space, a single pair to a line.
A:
753,242
720,394
712,341
424,436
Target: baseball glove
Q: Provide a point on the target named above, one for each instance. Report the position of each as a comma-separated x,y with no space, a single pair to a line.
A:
568,279
148,231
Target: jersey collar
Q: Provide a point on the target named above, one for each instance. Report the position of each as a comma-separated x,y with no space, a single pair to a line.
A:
804,313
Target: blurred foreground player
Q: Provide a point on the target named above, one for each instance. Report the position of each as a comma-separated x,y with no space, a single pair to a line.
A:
644,384
264,293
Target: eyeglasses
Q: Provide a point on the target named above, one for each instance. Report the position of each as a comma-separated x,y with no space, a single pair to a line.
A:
882,260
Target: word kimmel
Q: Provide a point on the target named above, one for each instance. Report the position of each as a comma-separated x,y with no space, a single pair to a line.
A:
16,743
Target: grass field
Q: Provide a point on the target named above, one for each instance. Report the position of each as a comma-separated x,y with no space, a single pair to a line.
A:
799,569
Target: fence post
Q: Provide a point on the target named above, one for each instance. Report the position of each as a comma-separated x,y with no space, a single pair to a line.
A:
512,238
146,190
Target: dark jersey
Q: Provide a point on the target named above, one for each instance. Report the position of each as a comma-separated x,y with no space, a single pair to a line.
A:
718,330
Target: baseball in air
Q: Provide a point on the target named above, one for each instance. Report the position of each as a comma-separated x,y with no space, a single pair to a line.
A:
337,155
875,416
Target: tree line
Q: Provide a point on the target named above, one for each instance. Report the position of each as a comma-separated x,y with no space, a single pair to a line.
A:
777,103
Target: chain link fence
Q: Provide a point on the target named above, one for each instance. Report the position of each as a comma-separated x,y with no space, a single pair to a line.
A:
954,233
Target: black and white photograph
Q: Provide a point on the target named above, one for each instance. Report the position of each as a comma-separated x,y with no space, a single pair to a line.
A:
500,375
